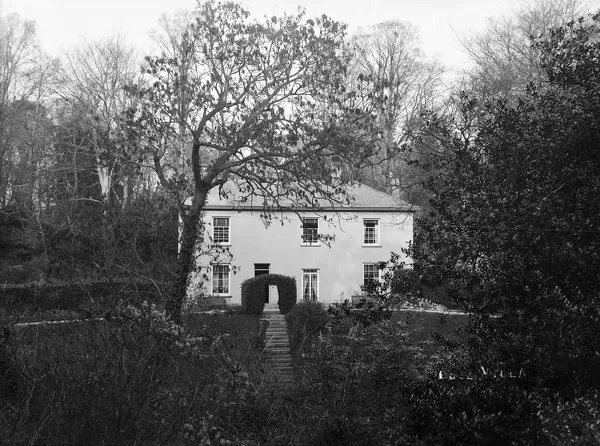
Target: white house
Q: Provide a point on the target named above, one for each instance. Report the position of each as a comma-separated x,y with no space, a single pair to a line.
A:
362,234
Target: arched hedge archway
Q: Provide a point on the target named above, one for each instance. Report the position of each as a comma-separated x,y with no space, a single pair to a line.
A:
253,292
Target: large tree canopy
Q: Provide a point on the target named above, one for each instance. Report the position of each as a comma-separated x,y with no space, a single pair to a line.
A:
262,103
515,225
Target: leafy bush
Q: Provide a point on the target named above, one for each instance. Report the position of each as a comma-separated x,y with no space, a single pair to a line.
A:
305,320
254,292
253,295
287,293
357,392
134,380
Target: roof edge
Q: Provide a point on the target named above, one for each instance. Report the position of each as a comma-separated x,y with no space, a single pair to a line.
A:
216,207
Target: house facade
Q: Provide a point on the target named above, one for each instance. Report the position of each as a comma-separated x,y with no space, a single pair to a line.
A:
331,253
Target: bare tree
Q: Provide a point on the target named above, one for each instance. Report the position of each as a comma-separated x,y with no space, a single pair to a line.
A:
93,80
18,47
505,62
175,41
405,84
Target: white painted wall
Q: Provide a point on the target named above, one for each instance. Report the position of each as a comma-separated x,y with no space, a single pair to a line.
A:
340,265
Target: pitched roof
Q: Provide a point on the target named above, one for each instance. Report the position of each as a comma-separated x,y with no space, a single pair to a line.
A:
363,198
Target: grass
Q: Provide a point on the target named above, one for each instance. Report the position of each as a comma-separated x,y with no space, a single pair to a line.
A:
448,325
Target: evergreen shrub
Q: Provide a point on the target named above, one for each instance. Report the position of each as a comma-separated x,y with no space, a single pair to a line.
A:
253,292
305,320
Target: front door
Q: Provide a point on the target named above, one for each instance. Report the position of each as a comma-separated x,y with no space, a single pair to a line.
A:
259,270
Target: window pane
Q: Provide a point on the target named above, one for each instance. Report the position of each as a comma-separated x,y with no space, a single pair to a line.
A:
371,273
310,284
221,230
261,268
220,282
370,232
310,230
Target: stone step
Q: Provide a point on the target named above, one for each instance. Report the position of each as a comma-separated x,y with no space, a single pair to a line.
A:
277,350
279,345
280,360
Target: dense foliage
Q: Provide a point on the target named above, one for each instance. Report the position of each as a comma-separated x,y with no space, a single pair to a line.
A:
305,320
137,379
75,300
255,291
514,234
515,225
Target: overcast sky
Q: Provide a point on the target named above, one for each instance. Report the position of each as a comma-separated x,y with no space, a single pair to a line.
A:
61,23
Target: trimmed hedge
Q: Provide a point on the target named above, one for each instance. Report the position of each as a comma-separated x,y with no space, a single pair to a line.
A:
73,296
253,292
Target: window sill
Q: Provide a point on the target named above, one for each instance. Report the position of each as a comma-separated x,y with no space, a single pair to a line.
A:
216,245
221,295
308,245
371,246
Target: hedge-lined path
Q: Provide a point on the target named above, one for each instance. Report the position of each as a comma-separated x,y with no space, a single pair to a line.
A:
277,347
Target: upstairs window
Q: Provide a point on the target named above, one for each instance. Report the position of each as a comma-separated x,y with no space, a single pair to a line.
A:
220,279
310,231
221,230
371,232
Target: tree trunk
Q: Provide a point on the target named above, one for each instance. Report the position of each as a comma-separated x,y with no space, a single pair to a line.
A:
191,233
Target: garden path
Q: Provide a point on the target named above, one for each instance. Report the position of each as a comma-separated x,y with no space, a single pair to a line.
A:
278,347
